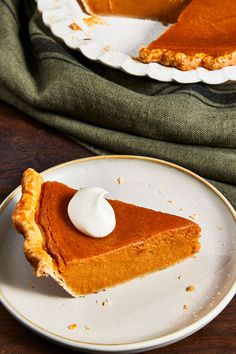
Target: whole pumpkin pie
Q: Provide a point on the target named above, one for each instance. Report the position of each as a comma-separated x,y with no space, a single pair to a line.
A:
143,240
203,35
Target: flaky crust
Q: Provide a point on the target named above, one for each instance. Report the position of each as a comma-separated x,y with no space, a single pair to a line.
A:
24,221
87,7
185,61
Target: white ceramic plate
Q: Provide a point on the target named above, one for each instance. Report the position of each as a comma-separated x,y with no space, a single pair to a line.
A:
117,42
144,313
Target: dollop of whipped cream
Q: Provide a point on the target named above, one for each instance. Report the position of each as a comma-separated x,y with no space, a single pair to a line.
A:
91,213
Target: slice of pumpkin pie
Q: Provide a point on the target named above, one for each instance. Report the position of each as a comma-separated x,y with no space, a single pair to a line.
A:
142,241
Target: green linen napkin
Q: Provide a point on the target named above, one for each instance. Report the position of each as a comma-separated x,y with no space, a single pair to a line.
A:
112,112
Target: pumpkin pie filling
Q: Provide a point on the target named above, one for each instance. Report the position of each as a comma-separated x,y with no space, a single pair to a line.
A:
143,240
162,10
203,35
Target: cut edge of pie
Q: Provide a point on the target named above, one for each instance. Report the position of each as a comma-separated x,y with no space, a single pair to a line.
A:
24,221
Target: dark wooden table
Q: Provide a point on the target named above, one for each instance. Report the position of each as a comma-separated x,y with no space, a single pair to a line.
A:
26,143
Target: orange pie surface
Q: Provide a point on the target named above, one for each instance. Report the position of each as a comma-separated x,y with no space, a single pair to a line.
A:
162,10
143,240
203,35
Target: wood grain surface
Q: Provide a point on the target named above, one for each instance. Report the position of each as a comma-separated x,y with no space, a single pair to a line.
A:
26,143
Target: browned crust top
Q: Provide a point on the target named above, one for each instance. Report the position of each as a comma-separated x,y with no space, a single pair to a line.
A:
23,218
24,221
186,62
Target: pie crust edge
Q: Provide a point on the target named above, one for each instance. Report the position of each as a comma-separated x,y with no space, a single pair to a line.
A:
184,61
24,222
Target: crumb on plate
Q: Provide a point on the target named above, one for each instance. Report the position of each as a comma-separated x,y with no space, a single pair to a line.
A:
120,180
107,48
106,302
93,20
72,326
75,27
190,288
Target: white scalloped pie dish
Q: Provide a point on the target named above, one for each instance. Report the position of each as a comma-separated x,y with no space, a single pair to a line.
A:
116,43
